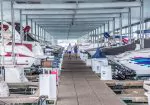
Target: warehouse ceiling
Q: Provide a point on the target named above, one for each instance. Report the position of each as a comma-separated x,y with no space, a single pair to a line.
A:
73,18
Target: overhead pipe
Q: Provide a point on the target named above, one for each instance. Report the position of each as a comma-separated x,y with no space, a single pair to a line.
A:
80,6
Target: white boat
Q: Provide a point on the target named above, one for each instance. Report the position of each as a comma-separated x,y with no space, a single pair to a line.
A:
138,61
25,53
16,58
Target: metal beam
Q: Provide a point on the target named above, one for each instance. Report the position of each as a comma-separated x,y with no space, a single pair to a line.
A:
101,11
58,24
70,16
81,24
64,30
80,5
59,32
76,27
62,34
68,24
65,19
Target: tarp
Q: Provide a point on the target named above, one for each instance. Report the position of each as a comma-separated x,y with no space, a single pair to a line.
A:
98,54
145,31
118,36
106,35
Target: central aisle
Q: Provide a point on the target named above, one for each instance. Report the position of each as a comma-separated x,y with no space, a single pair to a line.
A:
80,86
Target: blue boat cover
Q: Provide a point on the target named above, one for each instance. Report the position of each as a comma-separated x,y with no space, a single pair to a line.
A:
98,54
141,61
106,35
118,36
145,31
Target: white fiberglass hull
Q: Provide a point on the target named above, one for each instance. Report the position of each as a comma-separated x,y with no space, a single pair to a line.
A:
126,59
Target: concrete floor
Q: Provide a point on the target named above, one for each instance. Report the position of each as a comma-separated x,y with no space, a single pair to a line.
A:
80,86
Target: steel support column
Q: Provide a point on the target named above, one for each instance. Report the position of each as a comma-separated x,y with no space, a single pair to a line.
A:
2,36
120,24
94,36
27,20
21,28
31,27
44,35
91,36
142,25
129,26
26,25
13,32
114,27
103,34
38,32
108,27
35,30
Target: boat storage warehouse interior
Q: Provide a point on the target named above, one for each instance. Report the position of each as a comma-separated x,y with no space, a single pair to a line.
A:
74,52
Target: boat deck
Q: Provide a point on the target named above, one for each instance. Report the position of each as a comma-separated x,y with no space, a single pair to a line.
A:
80,86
